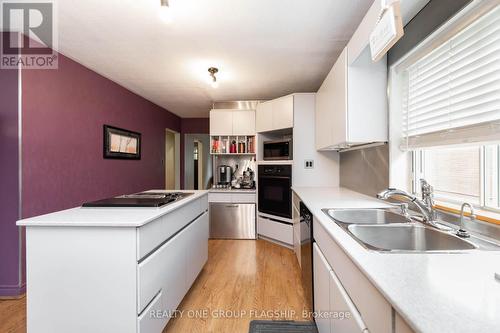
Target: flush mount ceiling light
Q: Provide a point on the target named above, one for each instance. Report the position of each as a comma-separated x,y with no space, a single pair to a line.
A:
165,11
213,80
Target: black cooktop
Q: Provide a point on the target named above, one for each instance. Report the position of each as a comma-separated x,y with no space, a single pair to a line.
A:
143,199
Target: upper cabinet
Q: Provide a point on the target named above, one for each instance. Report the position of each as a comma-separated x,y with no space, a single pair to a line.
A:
275,114
232,122
243,122
351,104
331,106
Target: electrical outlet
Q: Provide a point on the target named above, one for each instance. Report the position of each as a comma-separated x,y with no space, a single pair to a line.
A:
308,164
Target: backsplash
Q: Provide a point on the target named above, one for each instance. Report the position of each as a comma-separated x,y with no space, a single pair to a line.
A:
365,170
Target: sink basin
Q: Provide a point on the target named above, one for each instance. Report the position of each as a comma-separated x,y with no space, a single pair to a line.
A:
364,216
408,237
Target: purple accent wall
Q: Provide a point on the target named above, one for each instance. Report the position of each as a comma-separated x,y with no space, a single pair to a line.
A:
9,189
63,114
191,126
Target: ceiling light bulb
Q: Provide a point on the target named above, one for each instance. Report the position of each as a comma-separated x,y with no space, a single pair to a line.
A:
213,78
165,12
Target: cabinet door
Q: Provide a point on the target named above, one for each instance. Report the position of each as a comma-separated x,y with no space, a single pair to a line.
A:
197,250
296,232
264,117
401,326
339,100
221,122
323,114
346,318
321,290
283,112
244,122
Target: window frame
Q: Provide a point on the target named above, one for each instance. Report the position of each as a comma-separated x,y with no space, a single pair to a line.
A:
417,168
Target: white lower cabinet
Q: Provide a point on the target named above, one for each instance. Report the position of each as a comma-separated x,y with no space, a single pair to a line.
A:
321,290
152,320
165,276
346,318
197,245
341,289
335,312
275,230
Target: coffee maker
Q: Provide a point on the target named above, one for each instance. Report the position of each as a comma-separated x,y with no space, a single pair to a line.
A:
225,175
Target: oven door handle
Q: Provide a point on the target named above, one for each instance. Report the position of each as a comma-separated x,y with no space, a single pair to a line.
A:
275,177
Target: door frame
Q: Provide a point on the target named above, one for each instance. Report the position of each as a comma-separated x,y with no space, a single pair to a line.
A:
200,184
177,154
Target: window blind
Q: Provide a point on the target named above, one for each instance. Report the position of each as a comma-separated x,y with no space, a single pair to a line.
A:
452,95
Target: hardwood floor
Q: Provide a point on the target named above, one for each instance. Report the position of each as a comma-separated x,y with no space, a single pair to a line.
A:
13,316
249,278
242,280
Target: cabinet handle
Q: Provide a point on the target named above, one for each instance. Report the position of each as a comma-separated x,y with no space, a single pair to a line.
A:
232,206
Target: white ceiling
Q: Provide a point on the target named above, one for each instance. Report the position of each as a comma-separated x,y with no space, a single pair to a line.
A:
263,48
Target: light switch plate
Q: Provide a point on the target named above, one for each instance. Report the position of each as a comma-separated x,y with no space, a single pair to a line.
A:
308,164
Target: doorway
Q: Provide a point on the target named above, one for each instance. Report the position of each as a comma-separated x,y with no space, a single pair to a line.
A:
197,166
172,160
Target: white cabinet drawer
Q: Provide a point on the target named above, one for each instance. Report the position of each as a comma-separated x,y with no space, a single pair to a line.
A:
321,289
174,266
151,320
163,269
229,197
401,326
374,309
348,320
197,250
276,230
219,197
243,197
154,233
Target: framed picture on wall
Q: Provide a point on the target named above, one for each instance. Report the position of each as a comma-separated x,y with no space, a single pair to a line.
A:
121,144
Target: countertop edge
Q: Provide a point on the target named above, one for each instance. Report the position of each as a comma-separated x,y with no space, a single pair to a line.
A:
153,214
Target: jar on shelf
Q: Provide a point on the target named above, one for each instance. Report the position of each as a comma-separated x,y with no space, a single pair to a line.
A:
241,147
232,148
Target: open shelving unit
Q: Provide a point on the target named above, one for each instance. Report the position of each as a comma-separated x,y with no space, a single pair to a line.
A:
221,144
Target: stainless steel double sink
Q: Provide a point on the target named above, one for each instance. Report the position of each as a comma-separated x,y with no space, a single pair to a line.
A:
386,231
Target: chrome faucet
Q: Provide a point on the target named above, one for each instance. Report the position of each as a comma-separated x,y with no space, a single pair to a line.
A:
425,206
428,197
462,232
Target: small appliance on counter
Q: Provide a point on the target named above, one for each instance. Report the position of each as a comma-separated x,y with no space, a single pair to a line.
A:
225,175
247,181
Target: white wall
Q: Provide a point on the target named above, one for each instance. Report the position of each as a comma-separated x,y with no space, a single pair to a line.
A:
326,163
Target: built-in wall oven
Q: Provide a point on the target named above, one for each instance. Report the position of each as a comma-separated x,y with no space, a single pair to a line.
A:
275,190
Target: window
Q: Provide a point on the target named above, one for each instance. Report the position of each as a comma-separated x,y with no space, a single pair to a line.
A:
445,110
460,174
456,87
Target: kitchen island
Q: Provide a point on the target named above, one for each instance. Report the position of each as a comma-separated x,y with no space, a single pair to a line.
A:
113,269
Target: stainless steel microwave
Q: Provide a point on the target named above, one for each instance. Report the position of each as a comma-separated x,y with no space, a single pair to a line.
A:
278,150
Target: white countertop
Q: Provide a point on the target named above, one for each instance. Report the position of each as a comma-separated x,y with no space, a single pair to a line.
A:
434,293
108,217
